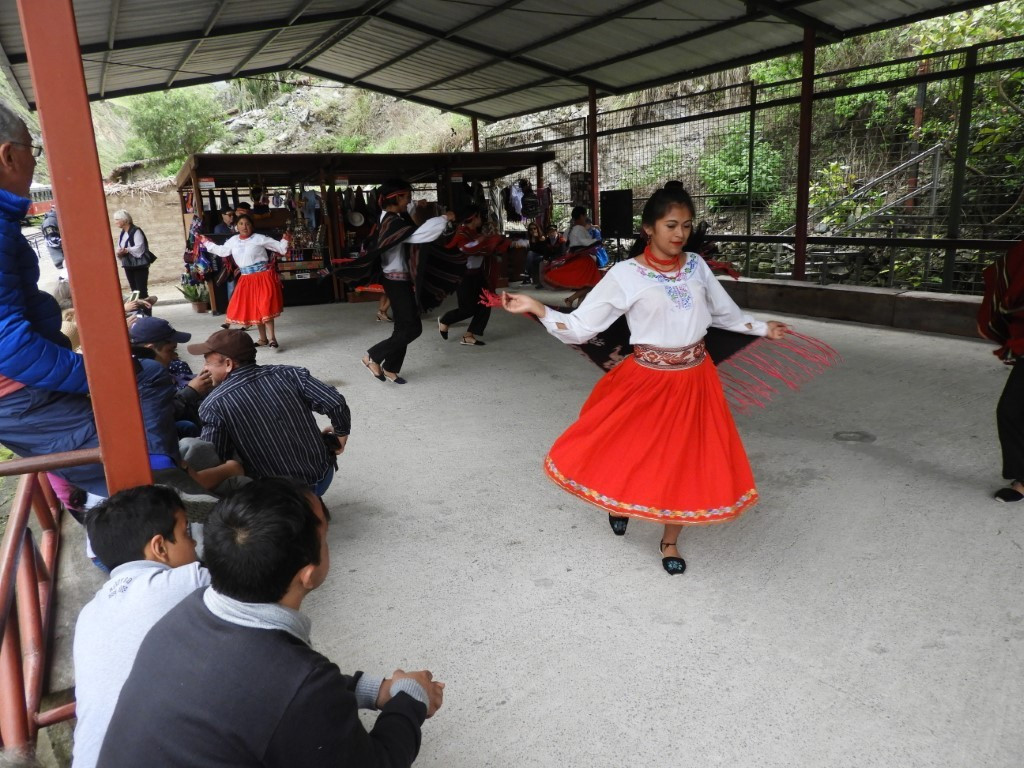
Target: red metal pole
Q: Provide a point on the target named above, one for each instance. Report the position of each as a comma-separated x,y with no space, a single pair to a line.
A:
13,717
51,42
803,155
595,185
476,134
33,638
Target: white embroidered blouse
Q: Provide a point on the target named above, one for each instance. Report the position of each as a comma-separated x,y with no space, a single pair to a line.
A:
662,310
252,250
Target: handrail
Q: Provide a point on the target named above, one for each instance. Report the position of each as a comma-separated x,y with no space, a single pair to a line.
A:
27,586
51,461
861,191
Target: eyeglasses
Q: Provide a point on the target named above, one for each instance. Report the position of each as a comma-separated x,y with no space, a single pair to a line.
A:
37,150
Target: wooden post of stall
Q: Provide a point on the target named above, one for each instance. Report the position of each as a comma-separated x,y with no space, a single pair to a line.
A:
476,134
51,42
326,223
803,156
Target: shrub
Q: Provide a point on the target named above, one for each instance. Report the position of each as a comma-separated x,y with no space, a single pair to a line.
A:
724,172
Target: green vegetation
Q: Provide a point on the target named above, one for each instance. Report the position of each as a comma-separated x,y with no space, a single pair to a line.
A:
666,164
171,125
195,293
725,172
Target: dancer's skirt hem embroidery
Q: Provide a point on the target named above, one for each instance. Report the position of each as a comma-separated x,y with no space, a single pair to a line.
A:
664,516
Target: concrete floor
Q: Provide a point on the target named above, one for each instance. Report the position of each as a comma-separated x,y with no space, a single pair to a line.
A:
867,612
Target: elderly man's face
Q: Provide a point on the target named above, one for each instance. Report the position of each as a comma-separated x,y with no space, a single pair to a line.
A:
17,164
218,365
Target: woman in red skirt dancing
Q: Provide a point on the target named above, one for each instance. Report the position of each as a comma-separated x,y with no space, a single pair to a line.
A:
258,297
655,439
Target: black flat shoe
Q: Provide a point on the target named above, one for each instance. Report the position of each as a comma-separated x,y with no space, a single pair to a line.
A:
379,376
444,334
618,524
397,380
674,565
1008,494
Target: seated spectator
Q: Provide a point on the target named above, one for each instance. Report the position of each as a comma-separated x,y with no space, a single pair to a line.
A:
158,335
551,246
228,676
142,535
226,225
244,414
44,407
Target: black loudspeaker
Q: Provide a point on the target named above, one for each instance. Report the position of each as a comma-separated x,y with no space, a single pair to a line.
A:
616,213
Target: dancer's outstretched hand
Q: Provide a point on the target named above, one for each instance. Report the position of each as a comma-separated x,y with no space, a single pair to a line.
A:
776,330
521,304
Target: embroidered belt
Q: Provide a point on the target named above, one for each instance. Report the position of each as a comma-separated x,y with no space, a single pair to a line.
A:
669,358
252,270
398,276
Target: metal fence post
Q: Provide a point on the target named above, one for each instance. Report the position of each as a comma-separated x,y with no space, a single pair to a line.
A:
963,148
751,138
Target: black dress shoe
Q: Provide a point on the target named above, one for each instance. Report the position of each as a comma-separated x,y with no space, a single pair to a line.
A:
618,524
1008,494
674,565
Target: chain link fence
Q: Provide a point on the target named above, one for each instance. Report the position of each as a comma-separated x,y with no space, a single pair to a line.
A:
902,153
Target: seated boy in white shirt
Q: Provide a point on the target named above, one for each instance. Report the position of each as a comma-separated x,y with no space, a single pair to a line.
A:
142,535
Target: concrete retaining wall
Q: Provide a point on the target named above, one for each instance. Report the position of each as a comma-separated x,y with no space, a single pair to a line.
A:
948,313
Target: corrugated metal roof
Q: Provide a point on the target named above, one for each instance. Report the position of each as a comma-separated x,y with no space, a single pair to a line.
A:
487,58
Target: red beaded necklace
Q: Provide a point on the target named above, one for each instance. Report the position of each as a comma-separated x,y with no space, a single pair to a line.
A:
661,265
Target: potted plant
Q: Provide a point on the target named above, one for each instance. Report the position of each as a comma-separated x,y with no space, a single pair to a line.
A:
198,295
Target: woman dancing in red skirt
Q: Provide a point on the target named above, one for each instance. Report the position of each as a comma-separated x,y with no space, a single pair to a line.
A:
258,298
655,439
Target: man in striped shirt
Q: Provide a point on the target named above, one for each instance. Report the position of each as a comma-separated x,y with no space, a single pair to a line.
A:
262,414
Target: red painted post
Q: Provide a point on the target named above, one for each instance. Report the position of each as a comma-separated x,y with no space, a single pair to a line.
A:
51,42
803,156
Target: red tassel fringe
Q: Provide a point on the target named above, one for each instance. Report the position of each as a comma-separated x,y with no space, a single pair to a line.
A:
753,375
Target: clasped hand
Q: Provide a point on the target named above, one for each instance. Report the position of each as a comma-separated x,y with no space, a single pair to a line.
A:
434,689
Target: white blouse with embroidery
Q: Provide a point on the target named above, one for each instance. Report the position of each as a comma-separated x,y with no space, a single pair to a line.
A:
663,311
252,250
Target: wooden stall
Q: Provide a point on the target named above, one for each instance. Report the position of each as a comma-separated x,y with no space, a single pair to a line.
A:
279,186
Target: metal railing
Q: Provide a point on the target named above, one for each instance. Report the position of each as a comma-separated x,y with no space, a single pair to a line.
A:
28,572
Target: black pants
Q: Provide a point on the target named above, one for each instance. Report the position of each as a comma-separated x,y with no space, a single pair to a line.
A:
138,277
1010,422
390,353
469,304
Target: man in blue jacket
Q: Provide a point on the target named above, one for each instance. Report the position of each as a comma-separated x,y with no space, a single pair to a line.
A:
43,403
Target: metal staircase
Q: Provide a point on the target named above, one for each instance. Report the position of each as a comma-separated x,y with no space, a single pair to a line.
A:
889,216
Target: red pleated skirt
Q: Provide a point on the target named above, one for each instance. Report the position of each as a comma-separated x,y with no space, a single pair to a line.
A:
257,298
655,444
578,272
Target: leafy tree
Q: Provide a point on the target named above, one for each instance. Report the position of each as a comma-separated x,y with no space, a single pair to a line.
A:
171,125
